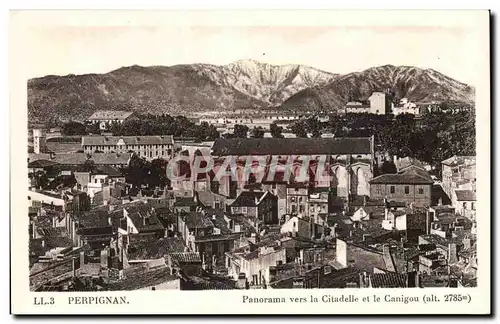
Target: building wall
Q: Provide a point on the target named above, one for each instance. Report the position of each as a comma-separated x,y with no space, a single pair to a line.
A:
340,181
296,225
456,174
152,151
420,195
465,208
361,175
247,211
378,103
39,141
257,270
167,285
341,252
297,201
358,110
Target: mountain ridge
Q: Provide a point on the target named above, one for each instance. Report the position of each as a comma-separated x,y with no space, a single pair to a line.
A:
244,84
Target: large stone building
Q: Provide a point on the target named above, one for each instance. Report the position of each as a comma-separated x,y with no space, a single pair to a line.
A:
149,147
412,186
105,118
378,104
345,164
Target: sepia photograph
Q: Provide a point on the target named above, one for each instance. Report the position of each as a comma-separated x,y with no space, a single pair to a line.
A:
256,158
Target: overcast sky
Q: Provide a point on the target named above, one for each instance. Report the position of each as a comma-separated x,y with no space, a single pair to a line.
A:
451,50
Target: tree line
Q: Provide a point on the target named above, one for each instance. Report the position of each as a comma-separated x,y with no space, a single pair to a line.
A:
147,125
431,138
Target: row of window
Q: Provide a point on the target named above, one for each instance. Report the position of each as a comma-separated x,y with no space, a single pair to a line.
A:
128,147
392,190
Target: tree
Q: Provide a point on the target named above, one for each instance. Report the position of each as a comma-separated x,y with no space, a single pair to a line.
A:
388,167
257,132
276,131
41,180
157,174
314,126
240,131
138,171
299,129
74,128
93,128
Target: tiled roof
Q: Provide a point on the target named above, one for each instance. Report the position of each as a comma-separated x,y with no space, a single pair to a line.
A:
107,170
197,220
217,237
110,115
128,140
465,195
388,280
41,164
458,160
92,219
410,175
436,239
155,249
185,257
408,161
184,202
140,277
81,158
166,216
291,146
248,199
335,279
110,158
198,283
207,198
143,217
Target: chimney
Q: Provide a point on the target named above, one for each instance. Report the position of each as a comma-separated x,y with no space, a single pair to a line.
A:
82,258
428,222
74,266
389,262
413,280
452,253
34,231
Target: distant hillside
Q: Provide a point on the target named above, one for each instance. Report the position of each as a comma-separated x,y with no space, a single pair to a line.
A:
174,89
418,85
245,84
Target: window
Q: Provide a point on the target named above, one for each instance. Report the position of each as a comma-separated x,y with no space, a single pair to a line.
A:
393,189
244,210
378,190
301,208
472,206
464,205
407,190
420,191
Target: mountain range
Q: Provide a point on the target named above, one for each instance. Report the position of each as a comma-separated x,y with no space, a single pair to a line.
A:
244,84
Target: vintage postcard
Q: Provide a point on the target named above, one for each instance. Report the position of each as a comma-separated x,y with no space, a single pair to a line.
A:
250,162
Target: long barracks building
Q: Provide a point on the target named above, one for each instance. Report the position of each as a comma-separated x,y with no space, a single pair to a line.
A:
149,147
